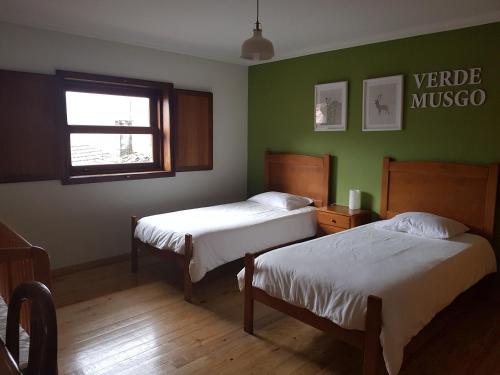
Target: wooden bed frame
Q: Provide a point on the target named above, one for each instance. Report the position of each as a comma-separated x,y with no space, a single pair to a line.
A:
291,173
463,192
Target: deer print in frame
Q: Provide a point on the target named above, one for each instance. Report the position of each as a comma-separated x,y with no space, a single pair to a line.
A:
382,108
383,103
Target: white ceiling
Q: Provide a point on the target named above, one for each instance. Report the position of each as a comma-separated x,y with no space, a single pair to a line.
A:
215,29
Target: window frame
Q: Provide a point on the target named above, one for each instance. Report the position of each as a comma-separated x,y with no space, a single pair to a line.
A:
160,96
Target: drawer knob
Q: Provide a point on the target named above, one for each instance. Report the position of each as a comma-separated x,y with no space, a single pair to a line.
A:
333,220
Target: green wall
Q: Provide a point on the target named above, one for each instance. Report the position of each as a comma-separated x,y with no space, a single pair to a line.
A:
281,102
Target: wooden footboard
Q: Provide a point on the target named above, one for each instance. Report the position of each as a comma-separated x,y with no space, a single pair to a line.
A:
183,259
21,262
368,340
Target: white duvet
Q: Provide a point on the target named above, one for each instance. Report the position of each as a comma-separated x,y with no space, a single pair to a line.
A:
226,232
415,277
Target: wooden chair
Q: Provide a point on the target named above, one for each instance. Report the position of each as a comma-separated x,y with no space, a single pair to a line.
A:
21,262
24,285
42,358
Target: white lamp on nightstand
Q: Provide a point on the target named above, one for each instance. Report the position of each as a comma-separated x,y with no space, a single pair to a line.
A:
354,199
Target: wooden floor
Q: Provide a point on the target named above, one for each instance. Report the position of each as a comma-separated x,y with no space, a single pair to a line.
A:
111,322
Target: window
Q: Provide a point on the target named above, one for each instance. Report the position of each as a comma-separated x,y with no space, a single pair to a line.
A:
114,128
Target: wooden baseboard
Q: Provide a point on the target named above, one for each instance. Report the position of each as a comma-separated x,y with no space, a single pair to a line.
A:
88,265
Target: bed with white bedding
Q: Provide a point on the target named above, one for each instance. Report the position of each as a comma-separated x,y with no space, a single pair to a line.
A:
416,277
378,285
204,238
223,233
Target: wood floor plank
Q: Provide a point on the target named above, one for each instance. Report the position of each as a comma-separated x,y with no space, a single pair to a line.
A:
112,322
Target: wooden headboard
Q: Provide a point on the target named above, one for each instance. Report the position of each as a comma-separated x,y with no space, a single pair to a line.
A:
463,192
304,175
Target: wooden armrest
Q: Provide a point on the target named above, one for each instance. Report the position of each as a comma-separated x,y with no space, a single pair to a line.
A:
7,364
41,266
43,336
14,254
40,258
9,238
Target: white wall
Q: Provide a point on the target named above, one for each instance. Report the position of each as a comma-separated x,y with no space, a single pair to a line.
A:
80,223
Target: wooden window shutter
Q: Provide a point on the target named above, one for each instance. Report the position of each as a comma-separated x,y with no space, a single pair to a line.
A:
193,130
28,127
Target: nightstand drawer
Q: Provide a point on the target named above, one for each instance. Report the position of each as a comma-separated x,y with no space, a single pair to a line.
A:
324,229
329,218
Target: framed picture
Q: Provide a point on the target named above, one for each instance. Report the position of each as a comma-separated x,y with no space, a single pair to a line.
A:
330,106
383,103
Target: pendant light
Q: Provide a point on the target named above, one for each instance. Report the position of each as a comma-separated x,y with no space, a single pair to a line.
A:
257,47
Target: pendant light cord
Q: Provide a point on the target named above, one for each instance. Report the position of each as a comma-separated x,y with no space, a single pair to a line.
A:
257,23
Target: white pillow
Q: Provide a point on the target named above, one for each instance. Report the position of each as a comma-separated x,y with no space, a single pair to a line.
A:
423,224
281,200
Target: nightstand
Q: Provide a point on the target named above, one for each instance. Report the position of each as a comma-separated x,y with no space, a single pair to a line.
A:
336,218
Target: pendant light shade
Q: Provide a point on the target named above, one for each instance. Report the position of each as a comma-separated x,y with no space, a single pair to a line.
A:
257,47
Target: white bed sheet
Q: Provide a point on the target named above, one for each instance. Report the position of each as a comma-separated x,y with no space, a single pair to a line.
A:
225,232
416,278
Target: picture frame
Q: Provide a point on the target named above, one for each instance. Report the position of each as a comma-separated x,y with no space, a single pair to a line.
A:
383,103
330,106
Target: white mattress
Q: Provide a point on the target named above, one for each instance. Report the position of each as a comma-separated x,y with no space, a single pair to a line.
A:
332,276
226,232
